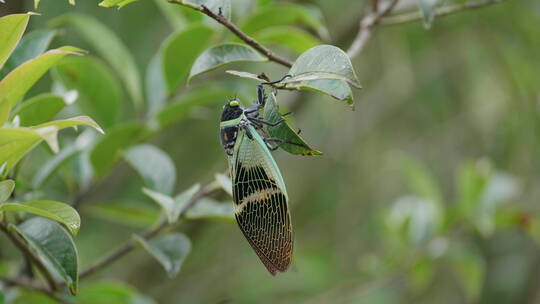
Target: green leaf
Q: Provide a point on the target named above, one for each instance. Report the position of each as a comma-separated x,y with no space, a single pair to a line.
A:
110,47
39,109
245,75
420,181
418,218
110,148
173,206
113,3
155,85
295,39
262,3
54,247
19,81
170,250
6,188
52,164
180,108
15,143
26,296
428,10
3,167
207,208
154,165
11,30
222,7
32,45
129,215
36,3
225,182
100,94
82,169
469,265
337,89
49,130
472,182
165,201
172,13
57,211
221,55
481,192
71,122
326,69
111,292
5,108
284,131
282,14
177,58
421,273
60,212
322,62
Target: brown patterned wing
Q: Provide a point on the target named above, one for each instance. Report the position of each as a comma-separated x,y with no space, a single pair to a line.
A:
260,200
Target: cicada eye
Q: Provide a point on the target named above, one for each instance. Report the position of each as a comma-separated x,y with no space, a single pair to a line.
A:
234,103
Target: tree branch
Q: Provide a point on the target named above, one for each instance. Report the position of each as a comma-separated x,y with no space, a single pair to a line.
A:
129,245
32,286
375,5
240,34
367,26
442,11
30,255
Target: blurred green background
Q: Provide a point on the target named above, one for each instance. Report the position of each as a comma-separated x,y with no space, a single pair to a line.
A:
426,193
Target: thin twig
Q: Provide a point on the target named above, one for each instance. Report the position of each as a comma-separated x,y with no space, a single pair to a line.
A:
442,11
240,34
32,286
375,5
129,245
367,26
30,255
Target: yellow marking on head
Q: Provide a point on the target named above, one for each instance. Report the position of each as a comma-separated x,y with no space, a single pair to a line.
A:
234,103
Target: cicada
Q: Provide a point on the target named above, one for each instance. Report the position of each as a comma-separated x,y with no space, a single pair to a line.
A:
259,192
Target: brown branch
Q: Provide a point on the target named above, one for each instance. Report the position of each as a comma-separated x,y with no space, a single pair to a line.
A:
32,286
30,255
375,5
442,11
129,245
367,26
240,34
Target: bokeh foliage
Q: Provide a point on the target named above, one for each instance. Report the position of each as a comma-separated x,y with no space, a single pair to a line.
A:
426,193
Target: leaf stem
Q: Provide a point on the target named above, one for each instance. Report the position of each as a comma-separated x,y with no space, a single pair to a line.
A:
129,245
240,34
442,11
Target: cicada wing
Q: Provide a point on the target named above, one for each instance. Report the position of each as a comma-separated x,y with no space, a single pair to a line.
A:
260,202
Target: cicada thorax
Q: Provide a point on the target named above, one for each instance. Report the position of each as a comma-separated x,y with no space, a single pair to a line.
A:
230,119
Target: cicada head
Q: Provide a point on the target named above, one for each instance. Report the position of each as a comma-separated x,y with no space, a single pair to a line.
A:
230,117
231,110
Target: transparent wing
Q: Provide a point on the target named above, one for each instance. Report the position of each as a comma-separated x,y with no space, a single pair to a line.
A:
260,200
